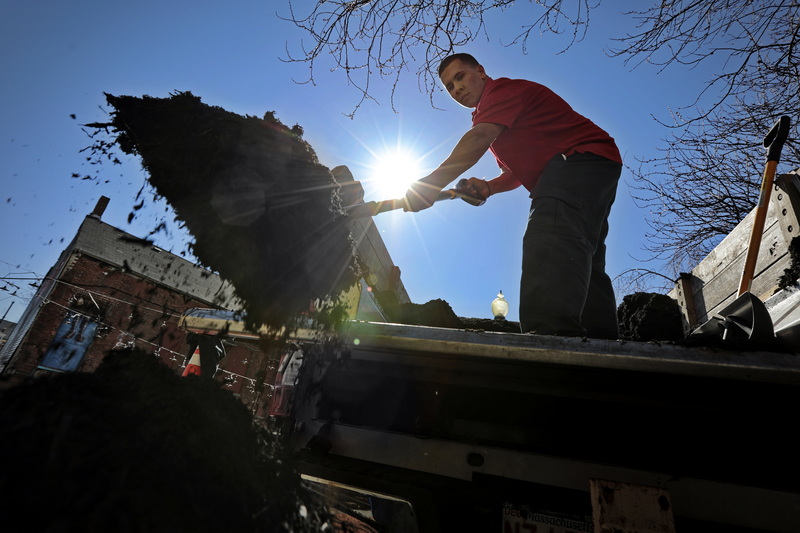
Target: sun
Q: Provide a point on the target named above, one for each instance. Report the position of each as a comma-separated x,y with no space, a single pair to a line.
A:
393,171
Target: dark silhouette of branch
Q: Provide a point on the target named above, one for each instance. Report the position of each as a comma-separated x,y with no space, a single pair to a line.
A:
745,46
642,280
365,38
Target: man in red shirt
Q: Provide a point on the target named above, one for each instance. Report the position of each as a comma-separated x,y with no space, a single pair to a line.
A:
571,168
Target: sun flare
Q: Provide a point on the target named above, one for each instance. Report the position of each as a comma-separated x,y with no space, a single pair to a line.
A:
393,171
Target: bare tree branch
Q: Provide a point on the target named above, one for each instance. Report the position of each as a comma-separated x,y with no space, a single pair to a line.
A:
365,38
642,280
708,175
743,45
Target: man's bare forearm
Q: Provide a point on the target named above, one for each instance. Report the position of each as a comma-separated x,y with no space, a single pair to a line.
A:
468,151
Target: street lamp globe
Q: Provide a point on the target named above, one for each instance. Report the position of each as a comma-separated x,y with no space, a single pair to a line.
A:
500,307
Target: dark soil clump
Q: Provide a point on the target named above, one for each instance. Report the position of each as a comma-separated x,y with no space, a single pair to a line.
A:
490,324
133,447
791,274
649,317
438,314
435,313
263,212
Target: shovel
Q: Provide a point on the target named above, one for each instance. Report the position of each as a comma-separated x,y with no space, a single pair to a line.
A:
747,317
368,209
773,142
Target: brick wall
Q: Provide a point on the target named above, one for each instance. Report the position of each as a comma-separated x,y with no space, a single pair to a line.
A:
130,310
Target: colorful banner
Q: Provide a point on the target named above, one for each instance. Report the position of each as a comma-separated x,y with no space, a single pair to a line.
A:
72,339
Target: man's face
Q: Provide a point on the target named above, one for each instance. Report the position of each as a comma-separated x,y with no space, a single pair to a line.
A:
465,83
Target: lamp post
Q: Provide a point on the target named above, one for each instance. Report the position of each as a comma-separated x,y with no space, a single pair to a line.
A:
500,307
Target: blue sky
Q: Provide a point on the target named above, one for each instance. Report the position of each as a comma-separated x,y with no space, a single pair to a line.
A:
58,59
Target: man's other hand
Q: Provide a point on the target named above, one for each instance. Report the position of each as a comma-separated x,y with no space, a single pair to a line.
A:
477,187
421,195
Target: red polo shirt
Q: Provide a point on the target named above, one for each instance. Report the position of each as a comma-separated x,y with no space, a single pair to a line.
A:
539,125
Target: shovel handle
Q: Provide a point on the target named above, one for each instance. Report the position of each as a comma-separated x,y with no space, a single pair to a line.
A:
773,142
368,209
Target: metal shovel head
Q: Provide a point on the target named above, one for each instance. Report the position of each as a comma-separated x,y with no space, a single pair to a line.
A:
746,318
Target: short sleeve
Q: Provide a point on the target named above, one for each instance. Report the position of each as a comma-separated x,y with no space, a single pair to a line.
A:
501,104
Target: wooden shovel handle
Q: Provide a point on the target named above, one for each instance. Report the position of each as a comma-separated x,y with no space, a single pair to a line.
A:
369,209
773,142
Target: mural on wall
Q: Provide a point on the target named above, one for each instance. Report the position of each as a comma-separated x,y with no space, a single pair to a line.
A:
74,336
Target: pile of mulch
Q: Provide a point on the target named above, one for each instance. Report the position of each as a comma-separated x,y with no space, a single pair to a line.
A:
792,273
263,212
642,317
645,316
490,324
133,447
437,313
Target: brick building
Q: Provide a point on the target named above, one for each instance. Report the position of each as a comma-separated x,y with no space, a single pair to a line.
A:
111,289
5,329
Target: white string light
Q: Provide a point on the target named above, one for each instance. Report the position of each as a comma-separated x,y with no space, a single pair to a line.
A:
100,295
131,340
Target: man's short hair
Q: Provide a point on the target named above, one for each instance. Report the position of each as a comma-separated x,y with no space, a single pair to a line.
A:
466,58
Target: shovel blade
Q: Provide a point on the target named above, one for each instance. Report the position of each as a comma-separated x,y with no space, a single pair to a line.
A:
746,318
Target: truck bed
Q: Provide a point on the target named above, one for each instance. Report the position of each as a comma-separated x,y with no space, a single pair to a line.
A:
503,416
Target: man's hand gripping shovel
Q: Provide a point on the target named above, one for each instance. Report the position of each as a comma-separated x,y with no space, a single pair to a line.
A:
368,209
747,317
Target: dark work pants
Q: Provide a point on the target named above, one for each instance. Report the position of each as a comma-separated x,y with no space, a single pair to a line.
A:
564,288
